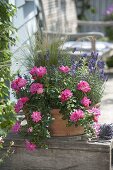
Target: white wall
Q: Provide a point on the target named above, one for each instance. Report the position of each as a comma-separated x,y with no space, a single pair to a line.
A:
25,22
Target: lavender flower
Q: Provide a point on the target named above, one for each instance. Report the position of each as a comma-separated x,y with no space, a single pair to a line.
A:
91,65
92,62
92,69
84,55
73,69
101,64
103,76
94,55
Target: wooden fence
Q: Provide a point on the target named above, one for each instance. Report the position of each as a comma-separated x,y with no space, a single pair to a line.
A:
100,7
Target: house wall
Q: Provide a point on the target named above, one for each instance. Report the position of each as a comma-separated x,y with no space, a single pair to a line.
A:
26,21
60,15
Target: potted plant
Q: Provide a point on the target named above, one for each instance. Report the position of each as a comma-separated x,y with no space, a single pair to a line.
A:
59,96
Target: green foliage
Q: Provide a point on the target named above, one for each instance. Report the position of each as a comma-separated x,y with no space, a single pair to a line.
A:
83,6
109,62
6,39
38,50
109,29
8,152
7,117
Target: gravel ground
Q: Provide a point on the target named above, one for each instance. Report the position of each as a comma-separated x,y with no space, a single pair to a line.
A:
107,101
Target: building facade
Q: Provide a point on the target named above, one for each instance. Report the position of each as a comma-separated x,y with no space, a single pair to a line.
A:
60,15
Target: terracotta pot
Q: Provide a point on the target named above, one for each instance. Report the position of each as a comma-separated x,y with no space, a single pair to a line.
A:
58,126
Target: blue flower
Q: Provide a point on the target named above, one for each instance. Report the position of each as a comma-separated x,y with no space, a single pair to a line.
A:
92,62
91,65
94,55
92,69
73,69
101,64
84,55
103,76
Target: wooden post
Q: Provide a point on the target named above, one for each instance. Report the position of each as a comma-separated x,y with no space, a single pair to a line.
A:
93,43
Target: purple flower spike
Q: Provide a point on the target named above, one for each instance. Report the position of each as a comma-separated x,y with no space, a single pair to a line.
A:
94,55
84,55
101,64
103,76
73,69
92,63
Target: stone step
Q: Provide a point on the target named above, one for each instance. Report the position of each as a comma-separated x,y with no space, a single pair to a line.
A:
64,153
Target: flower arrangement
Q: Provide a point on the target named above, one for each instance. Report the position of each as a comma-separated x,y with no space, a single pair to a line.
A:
73,87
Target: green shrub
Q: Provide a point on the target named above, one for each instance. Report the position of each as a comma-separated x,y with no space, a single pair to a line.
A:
7,115
109,62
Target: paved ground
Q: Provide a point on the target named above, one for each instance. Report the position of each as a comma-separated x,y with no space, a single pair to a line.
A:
107,101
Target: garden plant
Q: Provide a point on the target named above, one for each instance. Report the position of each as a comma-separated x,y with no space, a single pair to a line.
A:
7,114
55,80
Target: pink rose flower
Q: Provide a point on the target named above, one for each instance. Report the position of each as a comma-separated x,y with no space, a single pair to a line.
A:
76,115
20,103
24,99
64,69
36,88
18,83
38,71
85,102
36,116
18,106
16,127
83,86
41,71
66,95
96,113
30,130
33,70
30,146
